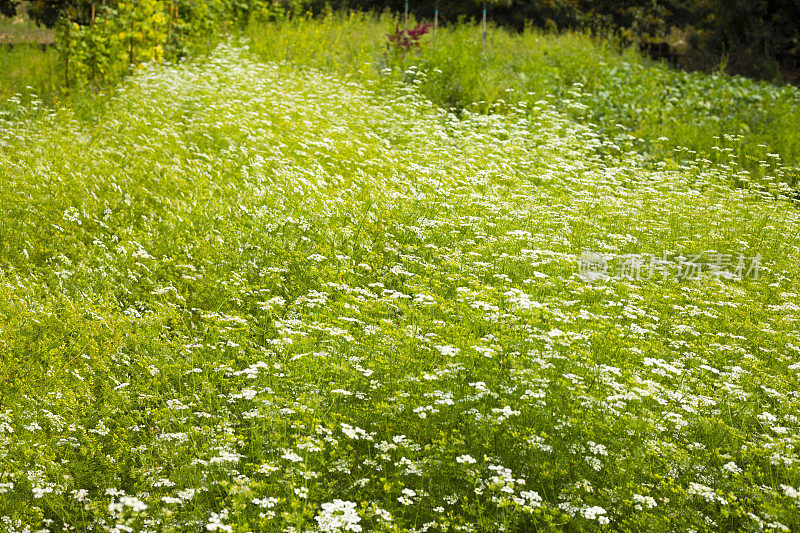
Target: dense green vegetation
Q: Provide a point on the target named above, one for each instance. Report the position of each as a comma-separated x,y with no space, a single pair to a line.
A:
307,282
28,70
758,38
618,92
635,102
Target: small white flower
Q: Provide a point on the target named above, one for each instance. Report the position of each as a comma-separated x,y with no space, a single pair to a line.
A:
71,214
408,497
176,405
267,468
266,503
187,494
338,516
291,456
732,467
39,492
448,350
646,501
134,503
595,513
215,524
532,497
354,432
791,492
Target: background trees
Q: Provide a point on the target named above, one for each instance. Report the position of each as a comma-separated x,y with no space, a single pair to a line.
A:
757,35
46,12
760,38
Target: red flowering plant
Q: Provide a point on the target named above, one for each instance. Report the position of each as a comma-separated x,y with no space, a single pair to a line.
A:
402,41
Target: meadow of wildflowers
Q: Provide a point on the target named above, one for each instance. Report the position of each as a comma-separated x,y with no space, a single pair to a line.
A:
255,296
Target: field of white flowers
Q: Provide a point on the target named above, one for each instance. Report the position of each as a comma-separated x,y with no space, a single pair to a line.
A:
259,297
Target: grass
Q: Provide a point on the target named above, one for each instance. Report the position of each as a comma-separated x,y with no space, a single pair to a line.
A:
252,296
21,29
616,91
27,71
660,112
28,68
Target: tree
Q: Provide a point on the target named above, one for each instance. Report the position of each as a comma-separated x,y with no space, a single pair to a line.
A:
8,8
47,12
763,33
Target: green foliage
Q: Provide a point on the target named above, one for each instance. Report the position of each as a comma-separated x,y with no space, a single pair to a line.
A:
647,106
30,71
624,96
44,12
8,8
760,38
353,42
98,50
255,296
100,53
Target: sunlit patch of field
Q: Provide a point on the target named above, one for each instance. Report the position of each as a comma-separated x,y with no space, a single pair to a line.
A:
258,297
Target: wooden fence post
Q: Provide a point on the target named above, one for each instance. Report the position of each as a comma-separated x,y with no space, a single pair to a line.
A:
435,20
130,41
483,39
66,56
169,26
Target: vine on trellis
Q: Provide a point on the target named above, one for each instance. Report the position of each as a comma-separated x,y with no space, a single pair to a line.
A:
119,35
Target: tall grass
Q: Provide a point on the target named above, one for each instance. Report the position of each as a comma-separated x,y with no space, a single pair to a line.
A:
625,98
619,92
22,29
28,66
27,69
344,42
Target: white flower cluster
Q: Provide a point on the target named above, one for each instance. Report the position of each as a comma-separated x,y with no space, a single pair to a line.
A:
595,513
447,350
215,523
355,432
408,496
707,493
791,492
641,502
338,516
134,504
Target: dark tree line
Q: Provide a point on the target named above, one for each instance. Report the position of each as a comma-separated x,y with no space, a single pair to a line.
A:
758,37
47,12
